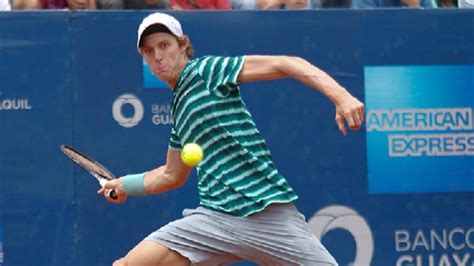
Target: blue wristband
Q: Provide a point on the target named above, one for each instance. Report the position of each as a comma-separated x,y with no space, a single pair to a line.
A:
133,184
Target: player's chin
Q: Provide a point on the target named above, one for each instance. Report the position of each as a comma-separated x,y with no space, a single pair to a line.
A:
161,75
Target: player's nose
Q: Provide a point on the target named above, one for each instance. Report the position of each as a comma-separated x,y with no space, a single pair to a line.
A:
158,56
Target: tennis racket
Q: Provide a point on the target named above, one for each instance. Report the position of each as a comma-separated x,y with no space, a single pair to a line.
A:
94,168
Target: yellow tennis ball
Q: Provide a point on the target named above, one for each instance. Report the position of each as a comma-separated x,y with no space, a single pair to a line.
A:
191,154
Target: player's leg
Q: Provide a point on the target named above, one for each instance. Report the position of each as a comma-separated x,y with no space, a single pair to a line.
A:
199,237
150,253
279,235
195,238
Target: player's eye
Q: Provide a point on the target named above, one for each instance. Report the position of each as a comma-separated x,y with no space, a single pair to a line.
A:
148,51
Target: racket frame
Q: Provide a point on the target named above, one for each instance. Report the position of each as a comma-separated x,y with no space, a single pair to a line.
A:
102,179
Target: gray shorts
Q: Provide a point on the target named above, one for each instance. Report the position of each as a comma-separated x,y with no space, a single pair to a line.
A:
279,235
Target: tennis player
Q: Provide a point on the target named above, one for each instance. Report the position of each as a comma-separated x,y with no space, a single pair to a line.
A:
246,207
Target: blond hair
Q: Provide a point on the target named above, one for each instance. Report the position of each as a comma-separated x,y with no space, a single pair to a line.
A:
189,50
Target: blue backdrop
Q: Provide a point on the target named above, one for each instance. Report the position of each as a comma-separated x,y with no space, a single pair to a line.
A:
76,78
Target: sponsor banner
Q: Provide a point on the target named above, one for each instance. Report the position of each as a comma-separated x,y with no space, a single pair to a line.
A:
435,246
128,111
347,219
420,134
409,246
87,86
122,114
13,103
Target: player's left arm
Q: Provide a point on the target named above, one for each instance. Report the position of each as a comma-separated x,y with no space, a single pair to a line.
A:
257,68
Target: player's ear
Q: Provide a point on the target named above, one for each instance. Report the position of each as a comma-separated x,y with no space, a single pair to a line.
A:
183,43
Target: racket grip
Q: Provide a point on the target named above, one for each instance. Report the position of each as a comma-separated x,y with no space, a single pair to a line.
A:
102,181
112,194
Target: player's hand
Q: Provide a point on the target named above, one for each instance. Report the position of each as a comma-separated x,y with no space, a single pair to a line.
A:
349,109
117,186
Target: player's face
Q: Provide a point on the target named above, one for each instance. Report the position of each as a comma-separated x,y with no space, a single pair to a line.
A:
163,55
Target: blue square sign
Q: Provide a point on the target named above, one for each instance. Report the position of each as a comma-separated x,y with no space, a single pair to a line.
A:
420,135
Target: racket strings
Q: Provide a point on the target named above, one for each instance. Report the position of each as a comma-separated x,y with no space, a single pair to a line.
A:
88,164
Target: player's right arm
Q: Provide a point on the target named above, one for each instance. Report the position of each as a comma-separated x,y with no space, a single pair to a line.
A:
170,176
167,177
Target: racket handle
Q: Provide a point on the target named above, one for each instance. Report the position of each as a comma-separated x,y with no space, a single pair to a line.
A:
102,181
111,193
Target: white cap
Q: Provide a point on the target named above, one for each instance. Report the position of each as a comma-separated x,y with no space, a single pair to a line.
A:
159,18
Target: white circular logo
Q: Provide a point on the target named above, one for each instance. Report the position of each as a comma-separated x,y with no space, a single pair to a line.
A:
137,105
342,217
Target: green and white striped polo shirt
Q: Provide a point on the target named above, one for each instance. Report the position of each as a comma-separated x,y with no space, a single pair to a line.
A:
236,175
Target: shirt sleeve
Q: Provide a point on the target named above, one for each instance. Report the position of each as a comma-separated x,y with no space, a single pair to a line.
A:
174,143
220,73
